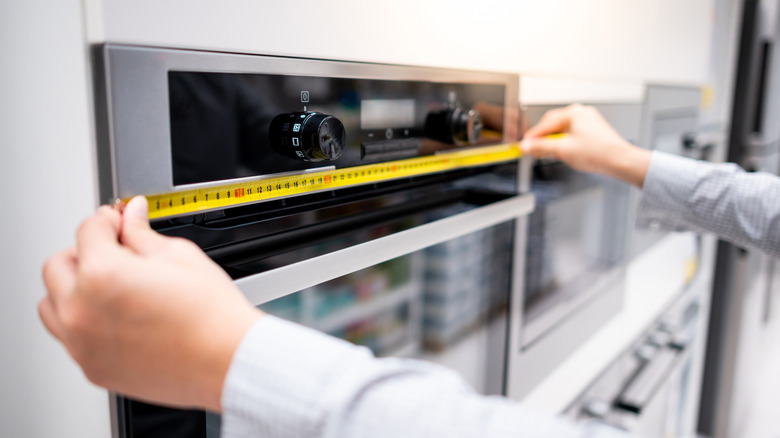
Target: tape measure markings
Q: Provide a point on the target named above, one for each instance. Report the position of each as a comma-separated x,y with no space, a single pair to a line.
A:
199,200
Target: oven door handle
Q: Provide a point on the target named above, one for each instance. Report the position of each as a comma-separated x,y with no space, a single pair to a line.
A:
269,285
639,391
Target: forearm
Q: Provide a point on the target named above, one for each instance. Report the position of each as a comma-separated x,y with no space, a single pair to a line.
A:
289,381
628,163
721,198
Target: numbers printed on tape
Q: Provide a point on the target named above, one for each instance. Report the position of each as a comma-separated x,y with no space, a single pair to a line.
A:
197,200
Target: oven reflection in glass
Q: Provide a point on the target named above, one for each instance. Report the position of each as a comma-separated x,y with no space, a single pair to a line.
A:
441,304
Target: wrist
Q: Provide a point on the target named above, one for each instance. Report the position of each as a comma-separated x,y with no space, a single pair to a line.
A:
628,163
225,342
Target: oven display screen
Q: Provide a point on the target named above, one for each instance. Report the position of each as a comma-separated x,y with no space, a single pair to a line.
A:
386,113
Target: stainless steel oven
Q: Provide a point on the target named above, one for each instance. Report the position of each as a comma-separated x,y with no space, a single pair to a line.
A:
382,204
577,240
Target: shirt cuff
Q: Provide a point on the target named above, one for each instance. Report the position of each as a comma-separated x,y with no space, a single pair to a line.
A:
277,378
669,181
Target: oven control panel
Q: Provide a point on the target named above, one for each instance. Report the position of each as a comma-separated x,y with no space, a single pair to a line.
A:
228,125
188,128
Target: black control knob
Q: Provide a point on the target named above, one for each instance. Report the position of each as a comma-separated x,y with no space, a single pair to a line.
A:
308,136
454,125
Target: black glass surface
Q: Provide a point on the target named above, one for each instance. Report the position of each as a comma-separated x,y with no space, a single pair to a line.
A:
220,121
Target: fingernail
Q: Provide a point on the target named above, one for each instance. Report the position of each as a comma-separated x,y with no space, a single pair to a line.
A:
103,209
525,145
138,207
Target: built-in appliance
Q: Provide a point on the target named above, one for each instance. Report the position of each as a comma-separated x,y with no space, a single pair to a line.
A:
651,389
575,258
650,357
387,203
744,277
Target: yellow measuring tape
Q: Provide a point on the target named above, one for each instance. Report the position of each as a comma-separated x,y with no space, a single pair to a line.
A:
229,195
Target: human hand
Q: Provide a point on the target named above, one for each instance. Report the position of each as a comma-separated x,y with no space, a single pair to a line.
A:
591,144
144,315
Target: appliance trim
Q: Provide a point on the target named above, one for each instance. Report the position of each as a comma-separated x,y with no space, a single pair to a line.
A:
319,269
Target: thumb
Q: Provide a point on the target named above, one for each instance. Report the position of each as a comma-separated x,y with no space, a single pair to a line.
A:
542,147
136,233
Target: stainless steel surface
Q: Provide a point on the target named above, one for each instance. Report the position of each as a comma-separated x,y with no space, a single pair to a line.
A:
529,366
137,100
558,314
739,317
744,276
292,278
539,344
642,388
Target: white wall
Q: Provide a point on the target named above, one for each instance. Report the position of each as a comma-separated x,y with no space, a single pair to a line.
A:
661,40
46,180
47,171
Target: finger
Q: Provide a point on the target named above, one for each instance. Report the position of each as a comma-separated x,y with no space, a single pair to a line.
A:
136,233
48,314
542,147
59,274
98,235
552,122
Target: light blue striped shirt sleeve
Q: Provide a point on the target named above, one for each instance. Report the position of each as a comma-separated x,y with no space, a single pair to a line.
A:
721,198
286,380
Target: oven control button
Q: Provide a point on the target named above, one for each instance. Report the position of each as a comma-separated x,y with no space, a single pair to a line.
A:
308,136
454,125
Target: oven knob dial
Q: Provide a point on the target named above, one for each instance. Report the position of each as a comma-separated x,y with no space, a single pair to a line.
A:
308,136
454,125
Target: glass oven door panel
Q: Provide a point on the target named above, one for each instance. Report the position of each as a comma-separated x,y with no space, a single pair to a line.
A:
575,243
445,304
377,307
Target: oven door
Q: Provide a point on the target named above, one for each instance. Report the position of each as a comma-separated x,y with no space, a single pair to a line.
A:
576,243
